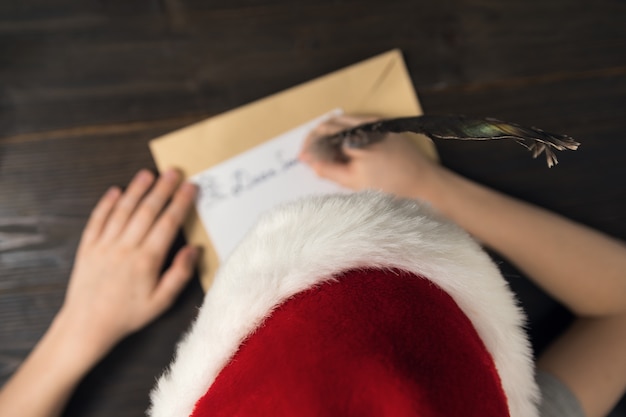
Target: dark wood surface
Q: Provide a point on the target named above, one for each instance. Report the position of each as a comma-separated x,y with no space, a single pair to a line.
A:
85,84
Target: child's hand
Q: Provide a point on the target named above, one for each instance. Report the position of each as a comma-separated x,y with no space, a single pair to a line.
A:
115,287
394,165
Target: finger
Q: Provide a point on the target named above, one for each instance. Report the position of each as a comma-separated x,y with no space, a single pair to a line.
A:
354,152
355,120
160,237
150,207
100,214
336,172
127,204
174,279
330,127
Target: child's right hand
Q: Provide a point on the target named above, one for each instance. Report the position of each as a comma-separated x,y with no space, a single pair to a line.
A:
394,165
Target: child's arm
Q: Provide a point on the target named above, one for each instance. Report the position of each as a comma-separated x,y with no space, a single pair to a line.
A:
580,267
114,290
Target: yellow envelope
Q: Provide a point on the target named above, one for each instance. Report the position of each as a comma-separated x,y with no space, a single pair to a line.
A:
378,86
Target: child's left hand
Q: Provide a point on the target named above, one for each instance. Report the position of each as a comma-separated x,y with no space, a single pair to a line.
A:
116,287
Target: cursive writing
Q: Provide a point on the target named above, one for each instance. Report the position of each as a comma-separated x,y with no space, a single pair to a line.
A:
214,188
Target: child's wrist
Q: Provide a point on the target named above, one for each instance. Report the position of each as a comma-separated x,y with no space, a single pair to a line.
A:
433,187
74,350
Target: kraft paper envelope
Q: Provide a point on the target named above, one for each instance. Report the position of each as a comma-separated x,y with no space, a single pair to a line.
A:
378,86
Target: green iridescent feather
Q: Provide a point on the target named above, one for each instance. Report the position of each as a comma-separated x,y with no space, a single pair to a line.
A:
447,127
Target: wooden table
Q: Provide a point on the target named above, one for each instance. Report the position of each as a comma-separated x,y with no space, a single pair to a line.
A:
84,85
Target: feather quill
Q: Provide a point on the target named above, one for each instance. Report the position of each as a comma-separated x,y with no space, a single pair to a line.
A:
535,140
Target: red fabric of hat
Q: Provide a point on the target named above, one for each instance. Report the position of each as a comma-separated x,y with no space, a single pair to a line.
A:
370,343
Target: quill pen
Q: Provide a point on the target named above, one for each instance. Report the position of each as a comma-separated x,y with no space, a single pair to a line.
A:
535,140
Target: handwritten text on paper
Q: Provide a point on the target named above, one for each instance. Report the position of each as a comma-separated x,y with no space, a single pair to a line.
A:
234,193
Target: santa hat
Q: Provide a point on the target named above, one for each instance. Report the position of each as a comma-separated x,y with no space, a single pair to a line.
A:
353,305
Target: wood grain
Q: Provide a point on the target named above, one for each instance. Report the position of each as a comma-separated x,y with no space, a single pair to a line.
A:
85,84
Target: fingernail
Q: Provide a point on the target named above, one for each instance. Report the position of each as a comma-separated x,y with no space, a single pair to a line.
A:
144,176
171,173
112,191
190,187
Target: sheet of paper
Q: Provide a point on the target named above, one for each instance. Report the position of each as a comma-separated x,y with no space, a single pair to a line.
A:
234,193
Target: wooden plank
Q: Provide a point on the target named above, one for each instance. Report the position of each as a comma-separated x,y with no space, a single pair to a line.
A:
587,185
519,38
138,66
47,189
42,12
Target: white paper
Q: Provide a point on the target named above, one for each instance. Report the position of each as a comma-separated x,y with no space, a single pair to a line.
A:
236,192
